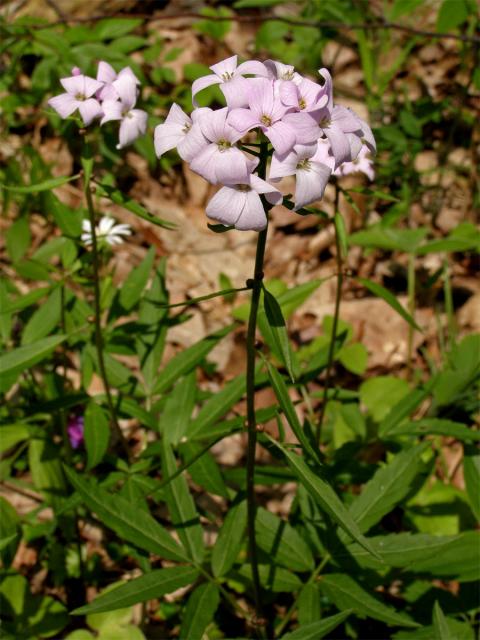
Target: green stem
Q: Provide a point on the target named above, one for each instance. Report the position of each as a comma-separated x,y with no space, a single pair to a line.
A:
256,285
449,308
333,338
98,327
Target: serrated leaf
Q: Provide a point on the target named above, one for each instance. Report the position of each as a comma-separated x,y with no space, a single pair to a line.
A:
186,360
136,281
178,409
347,594
217,406
325,496
280,541
230,537
154,584
390,299
317,630
389,485
96,434
182,507
129,523
276,323
199,612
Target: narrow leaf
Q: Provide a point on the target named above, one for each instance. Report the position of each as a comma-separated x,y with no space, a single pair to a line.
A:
440,625
272,578
325,496
25,357
46,185
178,409
404,408
136,281
96,433
199,612
276,322
390,299
437,426
317,630
471,472
342,235
346,593
230,537
129,523
154,584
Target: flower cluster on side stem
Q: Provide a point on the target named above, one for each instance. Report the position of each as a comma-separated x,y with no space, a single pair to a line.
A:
311,138
110,96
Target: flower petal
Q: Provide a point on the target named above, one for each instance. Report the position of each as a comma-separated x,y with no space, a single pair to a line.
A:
272,194
64,104
204,163
243,120
226,205
327,86
345,119
311,184
305,127
252,67
253,216
282,137
289,93
281,167
74,85
231,167
133,126
226,66
177,115
191,144
126,87
167,136
105,72
235,92
339,143
203,83
260,96
89,110
112,110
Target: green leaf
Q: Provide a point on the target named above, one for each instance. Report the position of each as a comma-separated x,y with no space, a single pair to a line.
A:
154,584
347,594
178,409
96,434
204,470
112,28
457,559
255,4
403,7
471,472
46,470
354,357
325,496
137,279
199,612
272,578
116,196
388,238
46,185
440,625
44,320
18,239
182,507
280,541
390,299
309,603
229,541
451,15
130,523
458,631
317,630
216,407
342,235
389,485
404,408
23,358
67,219
276,322
381,394
9,532
12,434
281,392
186,360
24,301
436,426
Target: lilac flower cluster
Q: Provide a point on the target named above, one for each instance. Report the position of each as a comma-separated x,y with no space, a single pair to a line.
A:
311,137
110,96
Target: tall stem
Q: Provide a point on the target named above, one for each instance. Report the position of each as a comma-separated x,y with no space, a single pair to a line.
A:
251,419
98,327
411,285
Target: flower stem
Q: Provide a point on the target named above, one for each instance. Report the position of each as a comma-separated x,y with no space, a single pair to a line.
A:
98,327
256,285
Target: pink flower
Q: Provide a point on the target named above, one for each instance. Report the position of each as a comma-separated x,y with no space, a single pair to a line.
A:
335,125
240,206
279,71
311,176
181,132
304,95
268,113
133,121
79,91
75,429
108,76
230,78
362,164
220,161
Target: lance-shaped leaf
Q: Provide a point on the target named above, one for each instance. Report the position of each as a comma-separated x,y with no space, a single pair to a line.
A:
404,408
390,299
325,496
471,472
136,281
278,329
440,624
154,584
279,540
23,358
178,409
388,486
272,578
317,630
128,522
97,434
46,185
199,612
458,559
230,537
182,507
346,593
186,360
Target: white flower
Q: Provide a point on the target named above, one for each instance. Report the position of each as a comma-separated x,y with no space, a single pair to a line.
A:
106,231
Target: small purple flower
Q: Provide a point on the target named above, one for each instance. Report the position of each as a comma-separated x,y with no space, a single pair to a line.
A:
133,122
239,205
180,131
79,91
75,430
107,75
229,75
